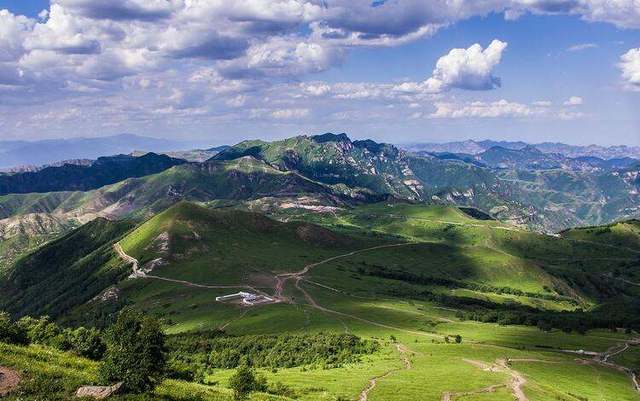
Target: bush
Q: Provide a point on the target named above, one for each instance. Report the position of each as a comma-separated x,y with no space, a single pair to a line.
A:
245,382
42,331
10,332
85,342
81,341
135,353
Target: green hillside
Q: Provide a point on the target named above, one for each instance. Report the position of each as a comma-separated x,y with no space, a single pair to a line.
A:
65,272
407,277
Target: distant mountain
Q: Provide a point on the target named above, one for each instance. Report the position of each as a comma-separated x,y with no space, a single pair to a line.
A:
572,151
37,153
194,155
331,171
80,177
532,158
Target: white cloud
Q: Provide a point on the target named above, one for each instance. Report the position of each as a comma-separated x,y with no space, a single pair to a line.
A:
237,101
582,46
135,51
630,66
315,89
288,114
574,101
14,29
500,108
470,68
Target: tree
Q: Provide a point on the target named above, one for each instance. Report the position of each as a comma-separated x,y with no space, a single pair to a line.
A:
135,353
244,382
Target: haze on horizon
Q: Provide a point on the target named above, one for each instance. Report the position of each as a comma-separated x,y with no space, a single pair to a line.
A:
395,71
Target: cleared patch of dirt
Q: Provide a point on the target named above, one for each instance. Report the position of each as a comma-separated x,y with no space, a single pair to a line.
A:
9,380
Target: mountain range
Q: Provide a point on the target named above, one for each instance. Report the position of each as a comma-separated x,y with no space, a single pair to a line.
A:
263,253
474,147
30,154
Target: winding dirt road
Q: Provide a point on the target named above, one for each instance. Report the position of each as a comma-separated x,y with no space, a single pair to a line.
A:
138,273
602,359
282,278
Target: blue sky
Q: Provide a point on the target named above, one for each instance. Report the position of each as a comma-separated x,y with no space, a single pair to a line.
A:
405,71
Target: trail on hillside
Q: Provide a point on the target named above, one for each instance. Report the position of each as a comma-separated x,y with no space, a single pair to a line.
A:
406,365
283,277
603,360
516,383
9,380
138,273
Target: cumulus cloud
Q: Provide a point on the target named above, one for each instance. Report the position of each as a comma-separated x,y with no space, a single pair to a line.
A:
229,49
630,67
470,68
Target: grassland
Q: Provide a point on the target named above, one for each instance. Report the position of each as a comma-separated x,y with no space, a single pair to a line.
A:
419,358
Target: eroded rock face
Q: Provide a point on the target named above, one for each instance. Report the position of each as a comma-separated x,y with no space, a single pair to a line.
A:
98,392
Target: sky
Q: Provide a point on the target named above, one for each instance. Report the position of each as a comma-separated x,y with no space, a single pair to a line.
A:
396,70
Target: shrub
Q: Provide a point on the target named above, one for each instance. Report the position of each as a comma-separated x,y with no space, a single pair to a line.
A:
10,332
244,382
135,353
85,342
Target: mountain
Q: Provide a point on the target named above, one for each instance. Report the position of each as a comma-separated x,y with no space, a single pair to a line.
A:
326,172
547,199
571,151
80,177
194,155
37,153
65,272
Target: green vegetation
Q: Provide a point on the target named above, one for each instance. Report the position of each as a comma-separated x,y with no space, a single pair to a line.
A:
244,382
135,353
65,272
445,294
269,351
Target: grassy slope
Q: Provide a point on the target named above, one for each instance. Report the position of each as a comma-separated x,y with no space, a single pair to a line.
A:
64,273
53,375
226,247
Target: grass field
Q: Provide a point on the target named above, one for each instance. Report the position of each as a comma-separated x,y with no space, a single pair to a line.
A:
445,252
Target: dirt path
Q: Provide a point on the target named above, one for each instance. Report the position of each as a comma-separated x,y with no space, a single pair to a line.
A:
406,365
516,383
602,359
137,273
9,380
312,302
448,396
282,278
